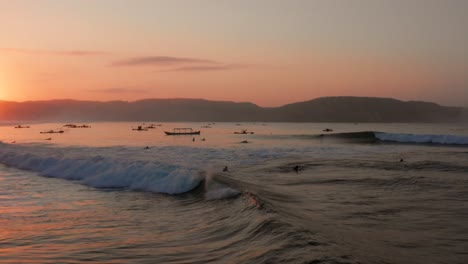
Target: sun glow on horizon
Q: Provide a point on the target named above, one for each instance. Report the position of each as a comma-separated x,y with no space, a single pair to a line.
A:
2,88
282,61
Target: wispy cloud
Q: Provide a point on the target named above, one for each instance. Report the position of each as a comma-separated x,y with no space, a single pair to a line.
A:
81,53
120,90
207,68
161,61
56,52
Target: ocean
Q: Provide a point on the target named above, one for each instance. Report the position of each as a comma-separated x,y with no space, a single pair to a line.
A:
288,193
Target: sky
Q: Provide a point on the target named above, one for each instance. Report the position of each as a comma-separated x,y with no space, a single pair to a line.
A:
270,53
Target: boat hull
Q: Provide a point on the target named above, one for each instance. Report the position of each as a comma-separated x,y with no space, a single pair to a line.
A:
182,133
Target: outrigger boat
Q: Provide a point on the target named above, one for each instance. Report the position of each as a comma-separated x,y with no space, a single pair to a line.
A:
243,132
52,132
76,126
182,131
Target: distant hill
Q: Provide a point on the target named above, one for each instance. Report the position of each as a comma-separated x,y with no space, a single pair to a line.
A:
325,109
368,109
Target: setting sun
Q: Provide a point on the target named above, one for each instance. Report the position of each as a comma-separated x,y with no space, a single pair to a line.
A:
3,84
2,89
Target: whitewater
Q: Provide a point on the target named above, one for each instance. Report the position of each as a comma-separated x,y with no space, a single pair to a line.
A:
291,193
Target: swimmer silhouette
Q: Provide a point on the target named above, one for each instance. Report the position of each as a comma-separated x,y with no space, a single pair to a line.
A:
297,168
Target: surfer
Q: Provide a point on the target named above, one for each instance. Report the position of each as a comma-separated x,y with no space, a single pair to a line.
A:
297,168
225,169
254,200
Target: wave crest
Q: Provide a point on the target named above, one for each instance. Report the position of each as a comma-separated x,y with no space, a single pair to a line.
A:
107,172
420,138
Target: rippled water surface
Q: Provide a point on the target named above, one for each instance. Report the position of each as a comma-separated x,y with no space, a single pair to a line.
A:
363,193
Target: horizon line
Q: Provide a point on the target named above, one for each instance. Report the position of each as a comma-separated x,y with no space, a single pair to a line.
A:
204,99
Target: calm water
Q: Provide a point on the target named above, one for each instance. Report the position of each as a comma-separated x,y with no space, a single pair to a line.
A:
96,195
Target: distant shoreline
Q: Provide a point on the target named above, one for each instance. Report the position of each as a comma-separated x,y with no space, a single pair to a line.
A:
321,110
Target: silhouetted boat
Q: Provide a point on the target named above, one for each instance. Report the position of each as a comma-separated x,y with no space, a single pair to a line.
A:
140,128
20,126
243,132
52,132
327,130
182,131
76,126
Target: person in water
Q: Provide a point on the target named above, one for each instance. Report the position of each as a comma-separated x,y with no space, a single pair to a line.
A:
146,147
297,168
254,200
225,168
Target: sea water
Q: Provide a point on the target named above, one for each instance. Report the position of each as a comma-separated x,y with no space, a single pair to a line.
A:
292,193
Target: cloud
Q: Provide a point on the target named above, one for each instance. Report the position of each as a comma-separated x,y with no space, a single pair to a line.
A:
161,61
207,68
81,53
56,52
120,90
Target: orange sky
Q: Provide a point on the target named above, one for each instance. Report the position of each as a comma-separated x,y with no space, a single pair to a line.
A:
266,52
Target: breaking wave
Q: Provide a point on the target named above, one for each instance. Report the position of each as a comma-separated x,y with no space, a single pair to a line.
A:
371,136
418,138
104,171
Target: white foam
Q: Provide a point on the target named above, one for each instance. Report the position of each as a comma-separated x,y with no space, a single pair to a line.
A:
162,169
103,172
221,193
216,190
418,138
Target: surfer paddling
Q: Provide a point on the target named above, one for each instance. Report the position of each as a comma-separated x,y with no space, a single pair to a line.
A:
297,168
254,200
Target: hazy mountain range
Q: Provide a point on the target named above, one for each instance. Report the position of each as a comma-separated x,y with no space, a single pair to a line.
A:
325,109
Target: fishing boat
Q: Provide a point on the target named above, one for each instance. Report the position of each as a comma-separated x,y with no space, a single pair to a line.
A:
140,128
76,126
52,132
182,131
20,126
243,132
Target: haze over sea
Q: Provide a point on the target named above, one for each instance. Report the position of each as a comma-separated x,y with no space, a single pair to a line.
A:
363,193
